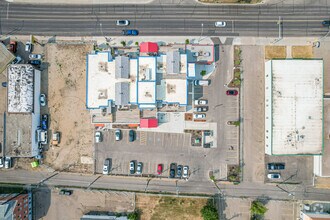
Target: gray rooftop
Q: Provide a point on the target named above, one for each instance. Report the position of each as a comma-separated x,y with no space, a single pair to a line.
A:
122,67
173,62
122,93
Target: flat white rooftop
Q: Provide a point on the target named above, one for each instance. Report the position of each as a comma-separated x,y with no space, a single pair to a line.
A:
293,107
173,91
101,79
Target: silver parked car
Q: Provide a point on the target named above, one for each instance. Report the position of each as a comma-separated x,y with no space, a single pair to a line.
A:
139,168
122,22
43,100
35,56
118,134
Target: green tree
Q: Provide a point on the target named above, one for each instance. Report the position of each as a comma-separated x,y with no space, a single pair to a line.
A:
257,208
136,43
209,212
203,72
123,43
187,41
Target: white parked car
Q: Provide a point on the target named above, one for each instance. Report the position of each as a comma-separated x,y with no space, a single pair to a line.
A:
202,82
28,47
274,176
98,137
35,56
43,137
122,22
7,162
220,24
199,116
185,171
1,162
201,102
118,134
43,100
106,167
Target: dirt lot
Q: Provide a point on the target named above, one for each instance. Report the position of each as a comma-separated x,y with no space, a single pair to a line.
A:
50,205
67,108
160,208
276,52
302,52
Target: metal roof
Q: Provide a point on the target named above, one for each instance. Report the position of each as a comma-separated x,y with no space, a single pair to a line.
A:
173,62
20,88
122,93
122,67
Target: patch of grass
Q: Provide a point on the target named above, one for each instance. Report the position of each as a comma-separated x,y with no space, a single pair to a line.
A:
302,52
275,52
177,208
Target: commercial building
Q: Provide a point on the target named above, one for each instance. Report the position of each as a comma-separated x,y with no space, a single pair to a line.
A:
23,111
294,107
16,206
5,57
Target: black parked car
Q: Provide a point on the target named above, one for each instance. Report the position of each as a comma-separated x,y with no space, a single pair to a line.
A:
326,23
172,170
35,62
66,192
276,166
179,171
131,135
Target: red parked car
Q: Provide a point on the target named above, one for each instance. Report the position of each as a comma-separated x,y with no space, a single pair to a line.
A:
232,92
160,169
12,47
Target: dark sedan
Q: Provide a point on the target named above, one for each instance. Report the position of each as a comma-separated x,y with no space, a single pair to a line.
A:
276,166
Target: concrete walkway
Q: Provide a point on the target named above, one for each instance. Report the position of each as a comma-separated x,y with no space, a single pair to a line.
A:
82,2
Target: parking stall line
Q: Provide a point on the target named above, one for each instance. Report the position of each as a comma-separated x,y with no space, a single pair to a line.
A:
143,138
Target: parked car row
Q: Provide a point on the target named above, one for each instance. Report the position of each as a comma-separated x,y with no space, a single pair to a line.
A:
178,171
5,162
118,136
273,167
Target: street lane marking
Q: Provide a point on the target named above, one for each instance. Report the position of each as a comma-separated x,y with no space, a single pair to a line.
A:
143,138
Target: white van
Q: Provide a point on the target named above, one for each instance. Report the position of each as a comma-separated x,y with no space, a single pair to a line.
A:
42,136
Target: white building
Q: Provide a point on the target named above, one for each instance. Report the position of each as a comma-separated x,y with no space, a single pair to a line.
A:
144,81
23,111
294,107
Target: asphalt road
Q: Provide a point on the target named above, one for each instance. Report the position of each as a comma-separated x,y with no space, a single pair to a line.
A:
162,186
168,20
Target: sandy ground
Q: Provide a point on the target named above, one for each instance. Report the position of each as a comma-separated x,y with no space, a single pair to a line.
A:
169,208
67,107
49,205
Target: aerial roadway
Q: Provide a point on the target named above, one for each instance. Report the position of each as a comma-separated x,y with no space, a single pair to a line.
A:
264,20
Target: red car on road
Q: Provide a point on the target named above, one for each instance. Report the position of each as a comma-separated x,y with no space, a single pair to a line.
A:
160,169
232,92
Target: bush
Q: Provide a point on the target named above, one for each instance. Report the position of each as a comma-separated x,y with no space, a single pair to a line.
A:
136,43
203,72
257,208
209,212
133,216
123,43
187,41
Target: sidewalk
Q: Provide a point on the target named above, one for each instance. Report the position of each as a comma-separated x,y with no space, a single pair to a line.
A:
81,2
